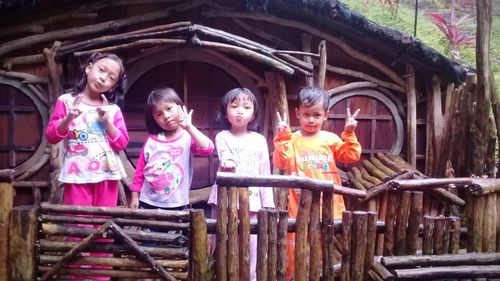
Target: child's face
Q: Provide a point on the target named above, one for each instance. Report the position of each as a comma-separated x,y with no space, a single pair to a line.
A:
102,75
166,115
311,118
240,112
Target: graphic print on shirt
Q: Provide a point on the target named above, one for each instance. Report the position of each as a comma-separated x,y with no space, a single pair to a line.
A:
314,160
163,172
88,130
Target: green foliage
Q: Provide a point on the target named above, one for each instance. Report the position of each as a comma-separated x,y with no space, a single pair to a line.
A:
427,32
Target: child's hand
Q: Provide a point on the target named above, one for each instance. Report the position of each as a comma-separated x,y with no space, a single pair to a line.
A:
282,123
103,110
185,117
134,200
74,111
350,121
228,165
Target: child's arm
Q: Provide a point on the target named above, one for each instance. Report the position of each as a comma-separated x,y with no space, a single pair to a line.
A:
283,151
227,162
116,130
138,180
118,139
266,193
348,148
57,128
199,138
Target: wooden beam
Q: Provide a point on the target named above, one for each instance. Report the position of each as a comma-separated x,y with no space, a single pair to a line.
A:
305,39
411,118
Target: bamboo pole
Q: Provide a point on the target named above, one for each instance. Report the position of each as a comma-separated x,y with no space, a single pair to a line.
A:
414,222
359,240
232,241
402,223
282,240
302,245
244,233
200,267
345,268
272,258
22,243
6,204
263,245
427,241
222,234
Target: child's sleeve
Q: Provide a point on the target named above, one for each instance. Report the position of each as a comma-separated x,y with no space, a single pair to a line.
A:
51,133
120,140
139,173
283,150
266,193
347,148
195,149
223,151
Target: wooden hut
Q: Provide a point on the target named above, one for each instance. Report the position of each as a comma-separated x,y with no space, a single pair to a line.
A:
204,48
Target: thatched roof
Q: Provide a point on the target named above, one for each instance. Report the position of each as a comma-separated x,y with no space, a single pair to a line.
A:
330,15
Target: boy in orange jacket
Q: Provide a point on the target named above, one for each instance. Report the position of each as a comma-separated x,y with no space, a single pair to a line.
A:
312,152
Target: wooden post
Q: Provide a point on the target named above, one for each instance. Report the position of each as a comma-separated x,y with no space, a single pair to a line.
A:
301,233
222,237
321,70
305,39
402,223
23,233
411,112
414,222
278,101
200,270
392,206
232,241
345,268
371,234
6,203
327,232
475,229
282,238
359,221
438,236
244,233
428,235
315,238
272,259
262,245
498,222
490,223
454,235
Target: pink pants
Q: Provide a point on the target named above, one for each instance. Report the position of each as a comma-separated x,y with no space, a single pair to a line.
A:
102,194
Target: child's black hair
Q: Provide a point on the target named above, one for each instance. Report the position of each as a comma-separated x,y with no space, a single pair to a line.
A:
116,94
159,95
230,97
309,96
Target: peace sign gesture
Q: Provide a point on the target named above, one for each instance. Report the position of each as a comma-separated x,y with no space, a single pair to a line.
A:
282,124
102,111
74,111
350,120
